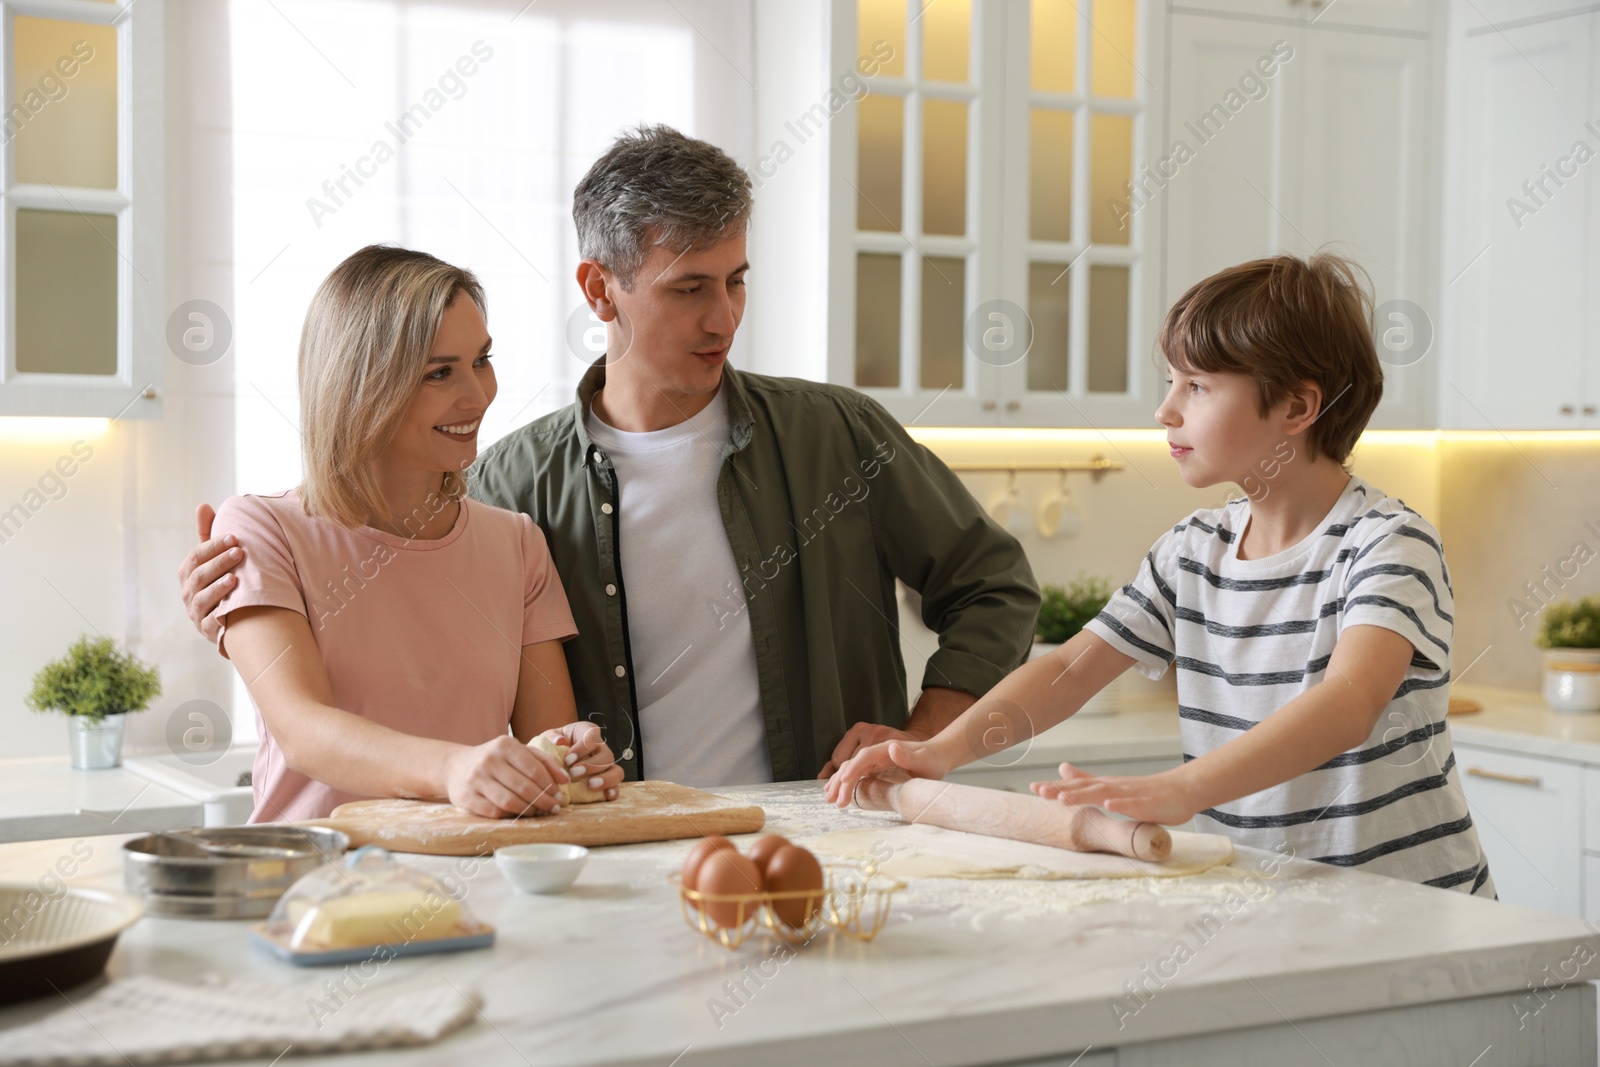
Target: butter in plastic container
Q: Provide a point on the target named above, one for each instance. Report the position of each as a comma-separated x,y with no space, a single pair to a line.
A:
368,906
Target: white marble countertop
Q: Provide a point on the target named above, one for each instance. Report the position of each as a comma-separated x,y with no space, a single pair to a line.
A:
1516,720
44,797
1145,727
965,972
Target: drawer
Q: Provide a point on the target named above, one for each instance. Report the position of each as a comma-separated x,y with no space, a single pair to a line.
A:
1528,813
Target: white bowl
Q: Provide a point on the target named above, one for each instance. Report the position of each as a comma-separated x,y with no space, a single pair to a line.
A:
541,868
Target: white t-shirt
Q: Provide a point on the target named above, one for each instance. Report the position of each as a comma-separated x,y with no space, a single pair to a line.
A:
1248,636
694,660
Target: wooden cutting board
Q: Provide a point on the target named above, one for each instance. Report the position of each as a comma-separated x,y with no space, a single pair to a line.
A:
643,811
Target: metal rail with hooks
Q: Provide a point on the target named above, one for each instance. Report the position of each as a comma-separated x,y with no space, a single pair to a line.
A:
1097,467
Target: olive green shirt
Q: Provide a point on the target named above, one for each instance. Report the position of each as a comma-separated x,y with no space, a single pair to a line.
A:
826,501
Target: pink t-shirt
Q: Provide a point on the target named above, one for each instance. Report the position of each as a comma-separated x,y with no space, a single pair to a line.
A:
424,637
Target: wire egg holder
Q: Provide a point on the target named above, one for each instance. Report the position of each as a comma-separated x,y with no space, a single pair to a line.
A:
853,901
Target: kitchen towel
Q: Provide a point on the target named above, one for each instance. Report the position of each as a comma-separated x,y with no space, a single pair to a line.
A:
148,1020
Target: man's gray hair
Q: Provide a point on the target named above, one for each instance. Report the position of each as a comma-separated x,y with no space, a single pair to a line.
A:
655,186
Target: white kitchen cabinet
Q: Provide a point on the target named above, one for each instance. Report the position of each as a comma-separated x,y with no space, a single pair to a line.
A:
1339,152
1367,166
1232,201
1591,844
1506,14
1528,813
1365,14
1591,809
1518,337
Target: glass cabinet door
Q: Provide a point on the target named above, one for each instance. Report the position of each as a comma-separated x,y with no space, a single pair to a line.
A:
1084,102
989,174
82,278
913,234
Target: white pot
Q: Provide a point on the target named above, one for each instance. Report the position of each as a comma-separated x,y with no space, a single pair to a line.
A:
1572,679
1106,702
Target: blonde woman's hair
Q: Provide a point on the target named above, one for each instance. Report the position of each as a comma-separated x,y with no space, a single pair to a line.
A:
363,352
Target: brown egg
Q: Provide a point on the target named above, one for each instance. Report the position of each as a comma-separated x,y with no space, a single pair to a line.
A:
762,850
793,869
725,872
697,856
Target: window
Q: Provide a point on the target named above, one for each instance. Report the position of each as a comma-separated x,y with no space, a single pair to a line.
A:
457,130
992,266
82,225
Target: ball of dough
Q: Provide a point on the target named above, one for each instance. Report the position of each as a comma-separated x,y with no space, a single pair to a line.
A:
576,791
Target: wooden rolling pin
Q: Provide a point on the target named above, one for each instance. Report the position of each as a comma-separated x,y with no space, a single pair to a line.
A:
1016,816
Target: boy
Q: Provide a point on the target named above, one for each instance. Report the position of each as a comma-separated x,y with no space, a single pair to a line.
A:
1310,621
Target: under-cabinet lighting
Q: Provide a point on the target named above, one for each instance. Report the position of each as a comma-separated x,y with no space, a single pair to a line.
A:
1020,435
29,428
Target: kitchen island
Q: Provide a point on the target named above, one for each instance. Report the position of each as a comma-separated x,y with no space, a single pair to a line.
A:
1271,960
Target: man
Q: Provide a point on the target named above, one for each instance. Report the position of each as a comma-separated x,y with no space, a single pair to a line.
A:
730,541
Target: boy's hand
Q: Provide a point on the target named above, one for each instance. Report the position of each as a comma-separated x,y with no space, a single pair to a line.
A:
919,759
1159,798
589,757
857,739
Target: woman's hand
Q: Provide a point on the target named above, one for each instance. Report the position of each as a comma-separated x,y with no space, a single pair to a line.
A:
503,778
1160,798
919,759
589,756
206,574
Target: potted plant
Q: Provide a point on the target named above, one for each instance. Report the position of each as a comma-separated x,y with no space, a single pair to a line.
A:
1569,633
1065,609
95,685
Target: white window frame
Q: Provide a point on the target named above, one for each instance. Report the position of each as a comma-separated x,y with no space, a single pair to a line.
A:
138,202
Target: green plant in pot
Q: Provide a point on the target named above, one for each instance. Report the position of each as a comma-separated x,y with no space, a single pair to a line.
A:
1064,610
96,685
1569,633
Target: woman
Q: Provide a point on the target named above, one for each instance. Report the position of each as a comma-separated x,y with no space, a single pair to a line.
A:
390,629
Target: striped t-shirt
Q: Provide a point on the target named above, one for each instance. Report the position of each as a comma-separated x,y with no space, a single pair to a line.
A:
1249,635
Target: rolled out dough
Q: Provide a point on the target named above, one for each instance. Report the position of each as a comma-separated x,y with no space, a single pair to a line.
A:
921,851
576,791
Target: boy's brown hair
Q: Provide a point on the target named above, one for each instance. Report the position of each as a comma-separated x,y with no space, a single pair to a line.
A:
1283,321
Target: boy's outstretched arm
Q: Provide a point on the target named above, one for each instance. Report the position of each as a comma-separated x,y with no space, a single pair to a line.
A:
1031,699
1333,716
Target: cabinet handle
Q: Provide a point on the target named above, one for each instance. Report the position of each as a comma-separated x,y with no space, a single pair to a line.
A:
1013,405
988,405
1514,779
1588,409
1568,409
